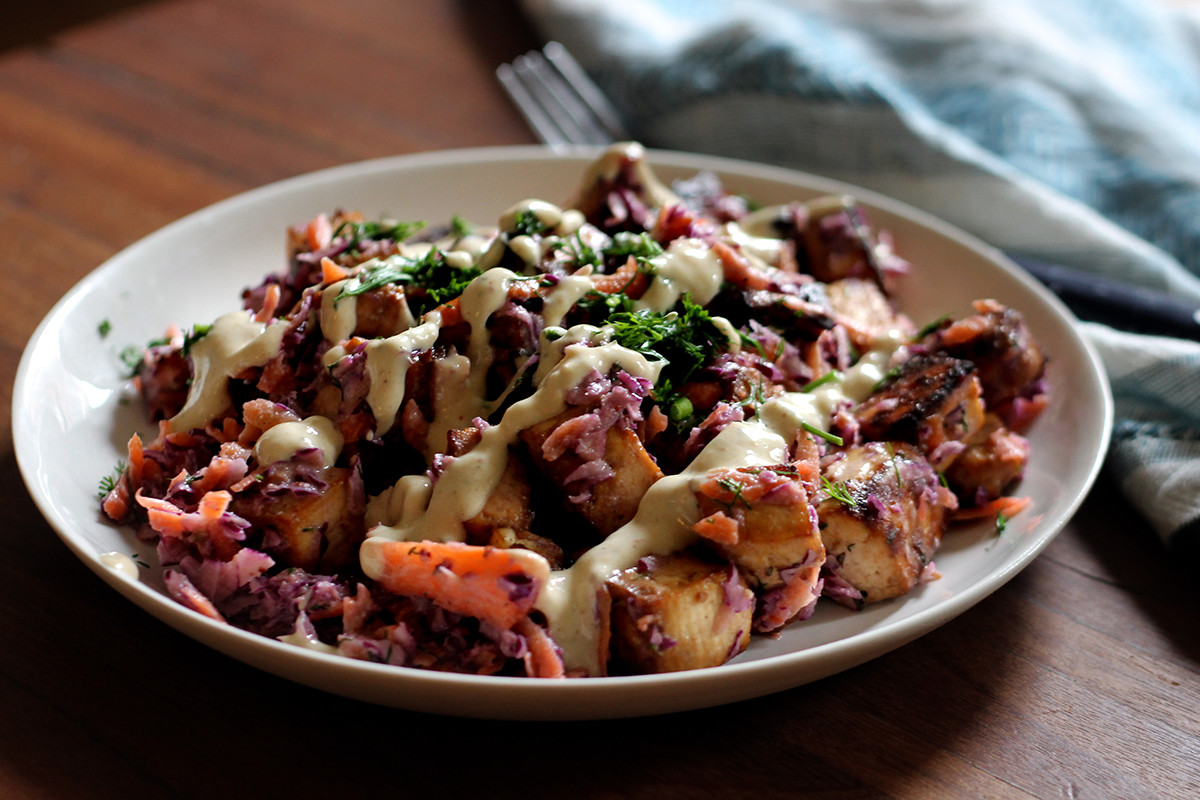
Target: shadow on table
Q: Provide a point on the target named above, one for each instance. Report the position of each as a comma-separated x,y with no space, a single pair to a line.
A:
36,23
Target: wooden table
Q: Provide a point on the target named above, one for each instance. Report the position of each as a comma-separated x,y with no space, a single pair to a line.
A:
1079,679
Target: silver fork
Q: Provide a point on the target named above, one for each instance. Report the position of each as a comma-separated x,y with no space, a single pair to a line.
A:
560,102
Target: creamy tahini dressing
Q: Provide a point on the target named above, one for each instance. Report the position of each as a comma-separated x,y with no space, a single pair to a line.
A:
388,361
235,342
339,312
121,564
281,442
688,266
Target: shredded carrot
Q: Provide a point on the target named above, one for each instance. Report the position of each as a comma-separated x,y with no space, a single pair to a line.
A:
738,269
170,520
1008,506
477,581
270,303
451,313
718,527
542,660
626,279
332,272
319,232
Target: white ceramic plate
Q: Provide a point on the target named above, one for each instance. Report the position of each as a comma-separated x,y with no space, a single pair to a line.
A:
72,414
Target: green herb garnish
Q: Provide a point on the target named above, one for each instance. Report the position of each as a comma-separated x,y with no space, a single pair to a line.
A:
359,232
828,377
527,223
832,438
109,482
104,328
438,280
734,488
839,492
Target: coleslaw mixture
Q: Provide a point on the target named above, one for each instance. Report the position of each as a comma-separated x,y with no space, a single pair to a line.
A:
620,435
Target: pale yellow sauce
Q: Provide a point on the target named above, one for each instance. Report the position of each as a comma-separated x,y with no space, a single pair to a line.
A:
234,343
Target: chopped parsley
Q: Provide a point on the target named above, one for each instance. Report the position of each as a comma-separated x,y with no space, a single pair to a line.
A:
734,488
931,327
832,438
376,231
131,357
1001,522
109,482
839,492
436,279
194,335
641,246
828,377
527,223
686,339
104,328
460,227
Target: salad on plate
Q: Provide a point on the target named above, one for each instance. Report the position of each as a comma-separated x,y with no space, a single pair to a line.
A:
619,434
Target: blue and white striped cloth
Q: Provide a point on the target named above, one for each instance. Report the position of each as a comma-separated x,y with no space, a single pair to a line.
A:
1065,130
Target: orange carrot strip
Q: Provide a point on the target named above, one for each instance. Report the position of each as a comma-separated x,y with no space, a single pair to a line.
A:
738,270
270,303
450,312
319,232
116,502
542,660
1008,506
332,272
718,527
494,585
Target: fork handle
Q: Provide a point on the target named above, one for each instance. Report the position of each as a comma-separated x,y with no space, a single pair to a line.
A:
1116,303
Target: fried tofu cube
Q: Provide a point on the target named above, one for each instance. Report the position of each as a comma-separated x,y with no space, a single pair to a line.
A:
321,531
678,612
929,401
993,460
762,520
510,504
626,468
882,515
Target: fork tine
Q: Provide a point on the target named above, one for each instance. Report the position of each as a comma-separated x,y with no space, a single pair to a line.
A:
545,127
595,99
558,100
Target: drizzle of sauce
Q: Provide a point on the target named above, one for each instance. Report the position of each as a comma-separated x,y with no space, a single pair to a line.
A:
687,267
121,564
281,442
235,342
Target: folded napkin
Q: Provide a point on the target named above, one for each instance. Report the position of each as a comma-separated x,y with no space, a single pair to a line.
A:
1067,131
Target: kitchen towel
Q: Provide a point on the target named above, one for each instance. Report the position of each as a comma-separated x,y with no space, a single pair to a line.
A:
1066,131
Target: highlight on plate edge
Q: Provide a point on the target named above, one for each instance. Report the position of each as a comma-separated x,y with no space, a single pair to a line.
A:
619,433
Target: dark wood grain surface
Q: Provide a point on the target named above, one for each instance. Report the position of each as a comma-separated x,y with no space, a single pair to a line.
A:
1079,679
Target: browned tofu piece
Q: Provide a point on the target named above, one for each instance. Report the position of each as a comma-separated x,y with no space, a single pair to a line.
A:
864,306
994,459
381,312
678,612
611,502
510,504
882,515
1007,357
763,521
772,535
506,538
929,401
321,531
